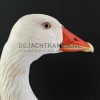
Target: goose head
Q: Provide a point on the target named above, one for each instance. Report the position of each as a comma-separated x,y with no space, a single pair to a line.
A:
31,37
42,34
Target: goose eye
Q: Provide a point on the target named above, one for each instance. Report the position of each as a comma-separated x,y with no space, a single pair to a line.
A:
46,25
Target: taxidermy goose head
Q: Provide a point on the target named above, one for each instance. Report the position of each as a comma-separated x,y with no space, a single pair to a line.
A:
31,37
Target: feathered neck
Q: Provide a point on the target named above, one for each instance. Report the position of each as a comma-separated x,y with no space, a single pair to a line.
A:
14,77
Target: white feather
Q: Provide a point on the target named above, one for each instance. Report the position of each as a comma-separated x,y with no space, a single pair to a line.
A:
15,64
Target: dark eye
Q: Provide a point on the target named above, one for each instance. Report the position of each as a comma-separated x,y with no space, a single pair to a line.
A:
46,25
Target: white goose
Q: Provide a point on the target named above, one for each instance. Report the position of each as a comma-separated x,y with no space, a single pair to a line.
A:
31,37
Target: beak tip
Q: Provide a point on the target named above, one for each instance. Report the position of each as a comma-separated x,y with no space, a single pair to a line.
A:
91,49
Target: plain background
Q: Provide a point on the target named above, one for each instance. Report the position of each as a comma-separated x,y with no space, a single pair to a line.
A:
65,76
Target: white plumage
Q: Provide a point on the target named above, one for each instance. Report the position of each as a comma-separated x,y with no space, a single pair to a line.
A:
15,64
15,60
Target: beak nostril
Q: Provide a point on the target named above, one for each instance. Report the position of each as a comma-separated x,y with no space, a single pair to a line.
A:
75,39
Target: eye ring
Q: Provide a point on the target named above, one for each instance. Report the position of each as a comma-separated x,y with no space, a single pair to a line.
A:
46,25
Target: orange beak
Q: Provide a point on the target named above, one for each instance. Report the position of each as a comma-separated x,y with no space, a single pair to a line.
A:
72,43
